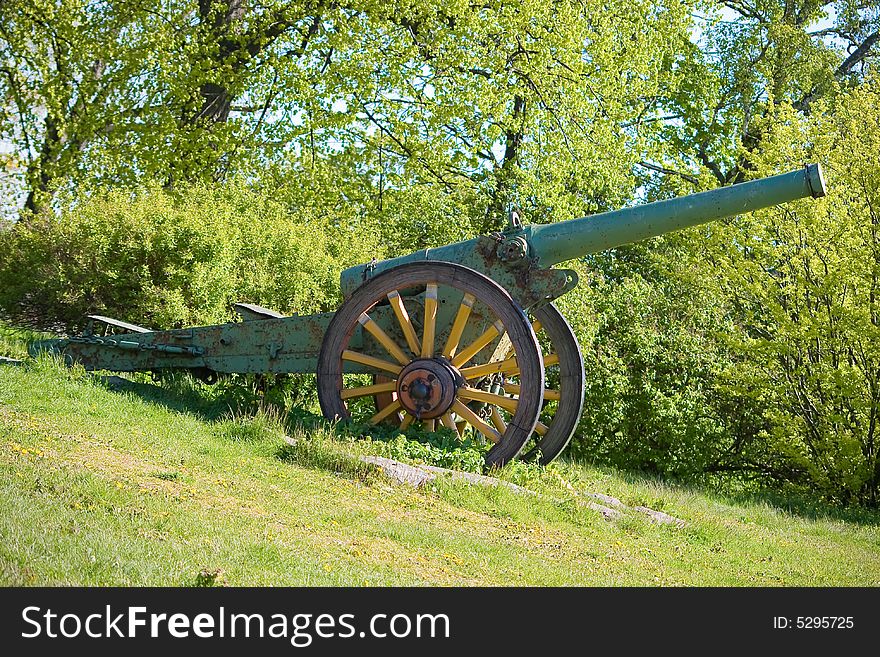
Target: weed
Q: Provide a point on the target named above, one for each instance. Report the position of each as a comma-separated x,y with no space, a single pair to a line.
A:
207,577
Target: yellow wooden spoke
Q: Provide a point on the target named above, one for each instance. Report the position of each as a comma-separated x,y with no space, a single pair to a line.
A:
393,407
497,420
470,351
383,338
364,391
461,318
473,394
549,393
430,320
477,371
549,359
363,359
536,327
446,421
429,425
407,420
403,319
475,421
541,429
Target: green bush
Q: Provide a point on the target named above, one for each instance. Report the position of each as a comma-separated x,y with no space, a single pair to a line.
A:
466,458
163,259
803,280
658,391
749,347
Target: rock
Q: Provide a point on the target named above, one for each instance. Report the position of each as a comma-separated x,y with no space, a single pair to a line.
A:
419,475
607,499
400,472
660,517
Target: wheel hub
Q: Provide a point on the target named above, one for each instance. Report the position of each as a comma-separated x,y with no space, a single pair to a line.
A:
426,387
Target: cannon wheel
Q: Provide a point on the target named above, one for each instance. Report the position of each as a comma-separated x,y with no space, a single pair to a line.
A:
565,385
563,395
431,379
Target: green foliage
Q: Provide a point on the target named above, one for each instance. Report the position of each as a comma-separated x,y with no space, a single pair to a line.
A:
657,396
803,279
516,102
165,260
745,57
441,448
70,77
749,347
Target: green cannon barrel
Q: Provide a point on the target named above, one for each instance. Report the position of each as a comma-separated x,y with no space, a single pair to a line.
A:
554,243
567,240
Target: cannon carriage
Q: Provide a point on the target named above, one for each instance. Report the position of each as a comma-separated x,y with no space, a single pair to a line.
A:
464,336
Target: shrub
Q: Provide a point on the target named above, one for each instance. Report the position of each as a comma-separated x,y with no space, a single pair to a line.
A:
657,392
749,347
164,259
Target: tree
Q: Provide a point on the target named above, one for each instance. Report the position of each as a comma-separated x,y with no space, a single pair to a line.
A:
756,332
529,103
803,281
121,92
66,79
753,56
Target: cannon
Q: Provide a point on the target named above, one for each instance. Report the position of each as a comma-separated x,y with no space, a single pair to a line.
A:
464,336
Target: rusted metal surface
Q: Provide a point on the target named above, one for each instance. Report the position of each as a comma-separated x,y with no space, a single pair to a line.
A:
426,387
278,345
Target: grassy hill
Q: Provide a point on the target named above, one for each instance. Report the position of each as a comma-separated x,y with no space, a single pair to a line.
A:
149,485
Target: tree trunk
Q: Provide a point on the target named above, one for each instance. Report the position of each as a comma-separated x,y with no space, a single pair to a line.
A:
223,19
495,213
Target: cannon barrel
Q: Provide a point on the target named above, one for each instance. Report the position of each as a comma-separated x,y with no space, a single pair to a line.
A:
575,238
566,240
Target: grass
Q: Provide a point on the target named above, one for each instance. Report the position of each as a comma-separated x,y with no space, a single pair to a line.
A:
161,486
14,341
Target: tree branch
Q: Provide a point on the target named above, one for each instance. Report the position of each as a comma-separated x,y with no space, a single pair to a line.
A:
18,106
669,172
858,55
